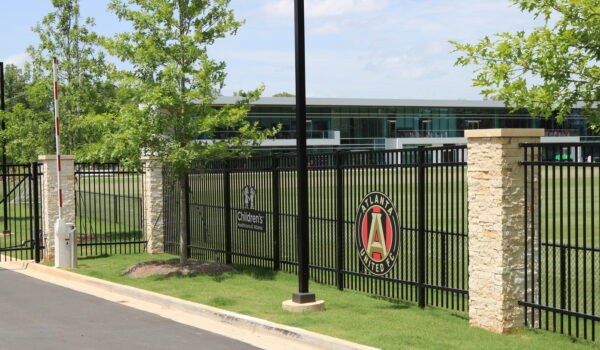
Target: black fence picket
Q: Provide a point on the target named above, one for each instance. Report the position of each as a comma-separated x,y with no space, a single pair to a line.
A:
426,185
562,240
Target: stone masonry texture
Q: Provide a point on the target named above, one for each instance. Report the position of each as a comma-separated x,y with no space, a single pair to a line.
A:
496,232
153,206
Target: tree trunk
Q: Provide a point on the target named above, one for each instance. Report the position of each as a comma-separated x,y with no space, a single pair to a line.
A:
183,218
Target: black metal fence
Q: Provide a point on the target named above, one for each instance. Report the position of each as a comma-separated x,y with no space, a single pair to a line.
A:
108,207
426,185
20,210
562,258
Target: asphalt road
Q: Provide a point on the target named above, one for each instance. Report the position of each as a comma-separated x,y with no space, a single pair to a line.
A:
39,315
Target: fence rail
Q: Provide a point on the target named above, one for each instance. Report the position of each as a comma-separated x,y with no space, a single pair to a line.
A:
562,247
426,185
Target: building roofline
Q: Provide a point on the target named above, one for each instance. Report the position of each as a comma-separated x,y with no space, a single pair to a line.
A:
365,102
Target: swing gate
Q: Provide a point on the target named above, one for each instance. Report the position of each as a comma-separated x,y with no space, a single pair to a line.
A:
108,210
20,212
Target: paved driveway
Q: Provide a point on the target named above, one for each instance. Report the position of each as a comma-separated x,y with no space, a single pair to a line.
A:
39,315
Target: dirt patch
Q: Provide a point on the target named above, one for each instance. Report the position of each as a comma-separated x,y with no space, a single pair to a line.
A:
172,267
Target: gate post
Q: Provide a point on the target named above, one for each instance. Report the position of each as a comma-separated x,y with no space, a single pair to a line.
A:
37,242
339,207
50,197
227,204
421,226
153,204
496,186
276,215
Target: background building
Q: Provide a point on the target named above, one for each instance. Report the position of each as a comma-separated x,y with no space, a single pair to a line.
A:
366,124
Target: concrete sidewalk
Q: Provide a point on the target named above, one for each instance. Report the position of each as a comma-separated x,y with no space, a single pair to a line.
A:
251,330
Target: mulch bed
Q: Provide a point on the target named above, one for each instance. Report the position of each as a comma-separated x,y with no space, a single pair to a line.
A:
172,267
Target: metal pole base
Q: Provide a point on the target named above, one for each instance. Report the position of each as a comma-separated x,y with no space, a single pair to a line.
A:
290,305
303,298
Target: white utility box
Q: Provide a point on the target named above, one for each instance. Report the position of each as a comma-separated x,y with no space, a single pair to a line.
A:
65,244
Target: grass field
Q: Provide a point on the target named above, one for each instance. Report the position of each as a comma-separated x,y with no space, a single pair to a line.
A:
358,317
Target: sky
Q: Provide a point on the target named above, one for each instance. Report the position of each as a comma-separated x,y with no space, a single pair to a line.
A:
354,48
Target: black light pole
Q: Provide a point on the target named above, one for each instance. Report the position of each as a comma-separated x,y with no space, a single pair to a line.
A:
303,295
4,184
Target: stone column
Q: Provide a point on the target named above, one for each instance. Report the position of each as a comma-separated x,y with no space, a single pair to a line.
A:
496,226
154,229
50,197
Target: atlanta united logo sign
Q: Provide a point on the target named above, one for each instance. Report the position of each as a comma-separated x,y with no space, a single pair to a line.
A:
377,233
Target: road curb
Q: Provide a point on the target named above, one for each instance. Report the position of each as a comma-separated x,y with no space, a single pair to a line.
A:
231,318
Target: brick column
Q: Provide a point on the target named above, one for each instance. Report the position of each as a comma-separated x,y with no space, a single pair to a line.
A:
496,226
154,229
50,197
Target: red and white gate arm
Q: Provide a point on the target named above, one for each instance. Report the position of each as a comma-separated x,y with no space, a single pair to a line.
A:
65,253
57,136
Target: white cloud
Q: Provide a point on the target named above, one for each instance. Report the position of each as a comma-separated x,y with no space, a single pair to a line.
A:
17,59
401,66
279,8
325,8
325,29
267,56
389,49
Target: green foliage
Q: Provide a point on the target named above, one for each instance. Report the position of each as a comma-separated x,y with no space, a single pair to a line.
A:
15,80
84,87
165,98
550,69
284,94
161,106
86,93
28,133
166,95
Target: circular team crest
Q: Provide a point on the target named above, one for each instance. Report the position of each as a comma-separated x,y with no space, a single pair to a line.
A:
377,233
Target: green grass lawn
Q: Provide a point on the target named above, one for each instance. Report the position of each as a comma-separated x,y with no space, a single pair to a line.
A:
358,317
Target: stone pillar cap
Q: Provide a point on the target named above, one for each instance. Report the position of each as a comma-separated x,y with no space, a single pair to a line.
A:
53,157
504,133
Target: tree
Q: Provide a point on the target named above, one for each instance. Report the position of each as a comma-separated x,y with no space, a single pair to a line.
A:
284,94
548,70
16,81
86,95
171,86
22,125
